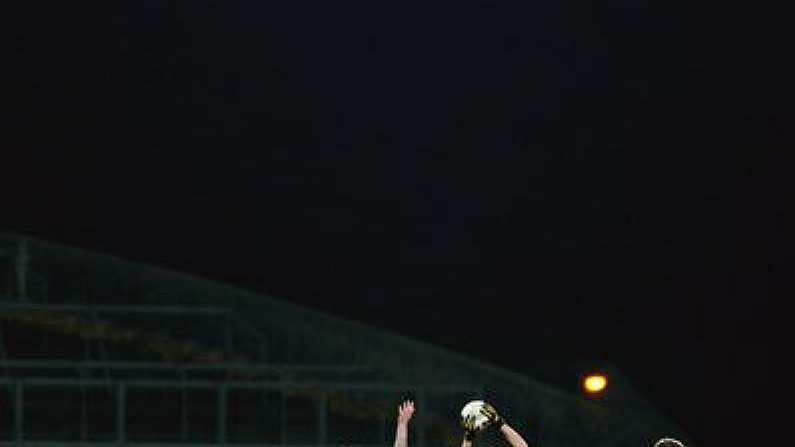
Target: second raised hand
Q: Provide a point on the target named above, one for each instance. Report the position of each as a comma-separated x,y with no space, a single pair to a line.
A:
405,412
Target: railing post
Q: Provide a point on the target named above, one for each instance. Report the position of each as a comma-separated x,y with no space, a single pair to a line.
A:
183,406
283,415
322,421
83,413
222,414
19,412
121,412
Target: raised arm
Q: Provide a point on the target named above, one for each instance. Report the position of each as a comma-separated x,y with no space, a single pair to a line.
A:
496,421
469,432
467,440
513,438
405,412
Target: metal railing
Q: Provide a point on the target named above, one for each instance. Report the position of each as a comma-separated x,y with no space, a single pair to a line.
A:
39,272
227,370
326,399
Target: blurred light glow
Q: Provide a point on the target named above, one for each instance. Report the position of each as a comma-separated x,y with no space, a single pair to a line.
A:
594,383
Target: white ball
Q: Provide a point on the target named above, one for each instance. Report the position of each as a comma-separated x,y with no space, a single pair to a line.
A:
472,408
668,442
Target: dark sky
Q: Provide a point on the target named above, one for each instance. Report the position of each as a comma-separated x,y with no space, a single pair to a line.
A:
569,177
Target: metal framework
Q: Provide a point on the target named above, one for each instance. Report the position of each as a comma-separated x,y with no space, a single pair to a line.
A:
320,395
230,326
288,375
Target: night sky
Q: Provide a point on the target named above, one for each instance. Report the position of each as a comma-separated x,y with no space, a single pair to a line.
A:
568,177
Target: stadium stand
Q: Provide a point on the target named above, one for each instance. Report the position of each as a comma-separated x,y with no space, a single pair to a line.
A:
98,351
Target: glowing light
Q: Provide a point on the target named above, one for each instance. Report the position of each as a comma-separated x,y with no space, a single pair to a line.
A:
594,383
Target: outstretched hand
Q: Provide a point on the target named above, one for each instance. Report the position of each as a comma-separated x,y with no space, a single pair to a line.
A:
470,430
495,420
405,412
468,423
